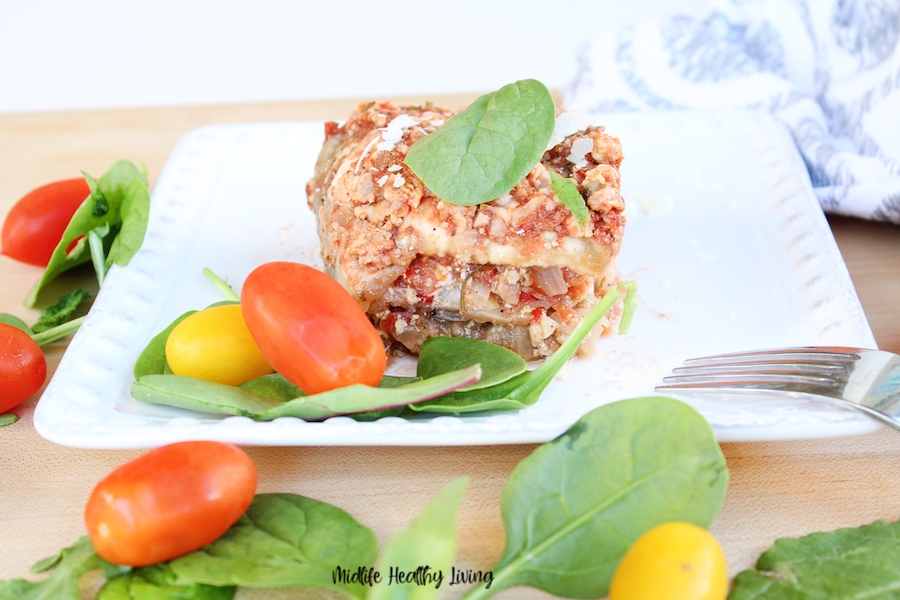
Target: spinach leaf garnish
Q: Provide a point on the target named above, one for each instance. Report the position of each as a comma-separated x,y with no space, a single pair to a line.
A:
440,355
157,582
847,563
430,540
61,312
284,540
15,322
483,152
273,386
524,388
569,195
276,387
216,398
107,228
152,359
574,506
65,570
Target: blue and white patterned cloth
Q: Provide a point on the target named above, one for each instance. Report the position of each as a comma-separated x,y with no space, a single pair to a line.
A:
828,69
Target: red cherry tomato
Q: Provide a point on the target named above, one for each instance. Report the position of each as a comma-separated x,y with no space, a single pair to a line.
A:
23,367
171,501
310,329
36,223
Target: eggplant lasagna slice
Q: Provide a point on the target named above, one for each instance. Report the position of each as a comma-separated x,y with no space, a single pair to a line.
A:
518,271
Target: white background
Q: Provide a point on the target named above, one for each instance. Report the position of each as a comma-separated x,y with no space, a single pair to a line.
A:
64,55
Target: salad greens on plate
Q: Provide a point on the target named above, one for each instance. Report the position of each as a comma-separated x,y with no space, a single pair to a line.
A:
454,376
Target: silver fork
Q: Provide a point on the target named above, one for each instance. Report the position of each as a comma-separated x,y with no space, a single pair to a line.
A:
866,380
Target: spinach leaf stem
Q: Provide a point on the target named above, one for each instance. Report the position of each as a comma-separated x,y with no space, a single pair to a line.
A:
221,285
98,257
55,333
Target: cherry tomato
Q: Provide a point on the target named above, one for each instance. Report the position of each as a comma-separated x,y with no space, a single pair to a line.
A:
23,367
676,561
170,501
35,224
214,344
310,329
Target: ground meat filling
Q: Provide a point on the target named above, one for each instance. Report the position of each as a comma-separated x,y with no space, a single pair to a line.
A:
518,271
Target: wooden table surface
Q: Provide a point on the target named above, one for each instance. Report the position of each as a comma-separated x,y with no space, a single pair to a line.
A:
777,489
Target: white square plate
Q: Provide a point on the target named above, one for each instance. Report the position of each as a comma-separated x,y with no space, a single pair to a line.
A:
724,236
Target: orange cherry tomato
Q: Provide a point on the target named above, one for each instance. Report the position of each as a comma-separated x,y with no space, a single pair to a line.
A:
310,329
35,224
23,367
170,501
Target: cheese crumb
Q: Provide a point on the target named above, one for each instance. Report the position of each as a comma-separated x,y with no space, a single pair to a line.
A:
393,133
580,148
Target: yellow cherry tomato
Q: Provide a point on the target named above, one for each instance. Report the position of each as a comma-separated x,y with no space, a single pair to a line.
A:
214,344
672,561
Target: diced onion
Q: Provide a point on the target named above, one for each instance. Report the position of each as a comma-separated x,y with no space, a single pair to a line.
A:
550,281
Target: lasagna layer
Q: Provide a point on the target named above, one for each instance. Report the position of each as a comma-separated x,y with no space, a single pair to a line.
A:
518,271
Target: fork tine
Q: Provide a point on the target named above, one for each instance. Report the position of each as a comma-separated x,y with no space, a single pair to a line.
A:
808,369
822,368
800,354
856,378
758,378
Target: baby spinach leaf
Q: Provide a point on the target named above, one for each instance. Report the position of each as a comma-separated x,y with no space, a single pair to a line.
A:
15,322
523,389
361,398
574,506
8,419
134,211
847,563
392,381
429,541
374,415
202,396
116,212
216,398
158,582
444,354
273,386
483,152
152,360
61,312
569,195
66,568
502,396
388,381
284,540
